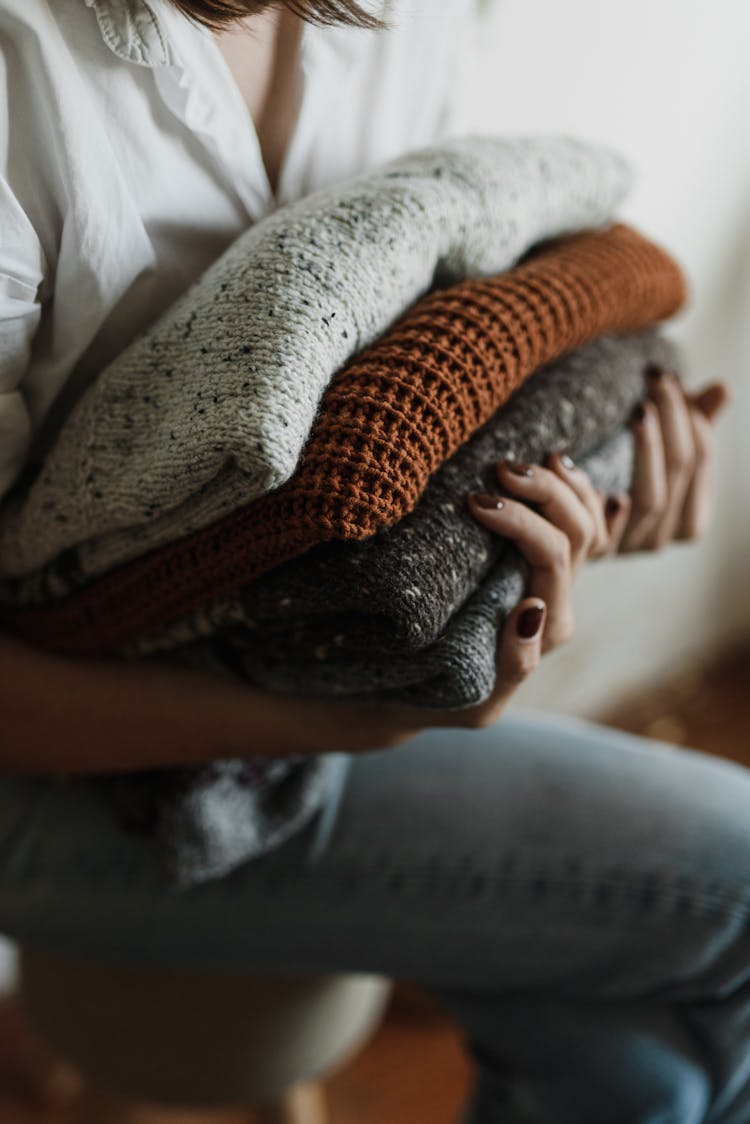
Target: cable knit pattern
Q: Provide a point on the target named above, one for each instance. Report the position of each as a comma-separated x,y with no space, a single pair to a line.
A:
393,417
212,406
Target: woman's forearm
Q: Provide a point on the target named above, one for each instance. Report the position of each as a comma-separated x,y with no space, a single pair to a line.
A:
65,716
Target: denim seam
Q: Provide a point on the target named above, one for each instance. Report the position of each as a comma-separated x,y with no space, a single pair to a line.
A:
662,889
630,888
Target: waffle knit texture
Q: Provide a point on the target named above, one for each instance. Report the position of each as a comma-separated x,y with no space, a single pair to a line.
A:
355,659
357,617
204,821
211,407
387,423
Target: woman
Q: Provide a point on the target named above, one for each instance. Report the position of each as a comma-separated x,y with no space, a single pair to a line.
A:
575,897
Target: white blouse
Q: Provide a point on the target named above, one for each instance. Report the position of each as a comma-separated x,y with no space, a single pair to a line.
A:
129,161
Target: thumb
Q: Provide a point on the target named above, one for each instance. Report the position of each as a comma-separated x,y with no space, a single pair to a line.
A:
520,648
712,400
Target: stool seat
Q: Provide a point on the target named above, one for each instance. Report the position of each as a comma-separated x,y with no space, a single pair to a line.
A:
197,1038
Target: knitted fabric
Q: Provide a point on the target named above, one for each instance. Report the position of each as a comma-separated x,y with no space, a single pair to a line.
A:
388,422
363,664
364,612
211,407
205,821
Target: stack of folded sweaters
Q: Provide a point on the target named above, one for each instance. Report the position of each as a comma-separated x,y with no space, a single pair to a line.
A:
271,483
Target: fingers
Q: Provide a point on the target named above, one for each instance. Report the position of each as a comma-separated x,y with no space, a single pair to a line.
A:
592,500
565,497
547,550
566,525
518,654
712,401
705,407
696,512
678,444
649,490
617,515
673,476
520,648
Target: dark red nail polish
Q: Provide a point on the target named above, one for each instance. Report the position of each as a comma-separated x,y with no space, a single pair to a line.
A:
530,623
614,506
518,468
639,414
655,373
489,503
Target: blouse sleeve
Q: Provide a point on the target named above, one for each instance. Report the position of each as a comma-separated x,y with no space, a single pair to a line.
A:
22,267
21,274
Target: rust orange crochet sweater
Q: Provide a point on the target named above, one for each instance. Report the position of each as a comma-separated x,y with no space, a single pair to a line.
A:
387,422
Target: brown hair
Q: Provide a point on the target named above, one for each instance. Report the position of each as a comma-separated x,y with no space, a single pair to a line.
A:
216,13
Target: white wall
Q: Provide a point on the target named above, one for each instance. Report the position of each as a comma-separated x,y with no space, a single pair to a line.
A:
667,82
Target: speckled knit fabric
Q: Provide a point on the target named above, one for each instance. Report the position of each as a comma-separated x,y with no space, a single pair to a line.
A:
358,658
212,406
205,821
380,616
387,423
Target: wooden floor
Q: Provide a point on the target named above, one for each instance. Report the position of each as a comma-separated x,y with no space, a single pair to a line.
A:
705,708
413,1071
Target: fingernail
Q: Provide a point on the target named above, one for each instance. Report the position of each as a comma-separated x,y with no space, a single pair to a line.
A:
614,506
655,373
489,503
518,468
530,623
639,414
567,462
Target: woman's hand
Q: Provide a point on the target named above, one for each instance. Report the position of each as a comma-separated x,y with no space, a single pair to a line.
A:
565,526
557,520
148,716
571,522
672,494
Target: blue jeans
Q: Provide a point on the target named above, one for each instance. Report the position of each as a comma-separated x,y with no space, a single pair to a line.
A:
576,898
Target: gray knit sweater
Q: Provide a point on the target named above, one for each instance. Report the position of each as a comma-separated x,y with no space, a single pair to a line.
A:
356,659
212,405
437,650
398,590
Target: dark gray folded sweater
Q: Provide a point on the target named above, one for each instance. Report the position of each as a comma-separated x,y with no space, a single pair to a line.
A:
398,590
360,660
342,622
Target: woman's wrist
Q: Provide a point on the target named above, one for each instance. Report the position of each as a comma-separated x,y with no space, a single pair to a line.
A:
65,716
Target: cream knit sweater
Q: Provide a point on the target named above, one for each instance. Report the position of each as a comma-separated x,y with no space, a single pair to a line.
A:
211,408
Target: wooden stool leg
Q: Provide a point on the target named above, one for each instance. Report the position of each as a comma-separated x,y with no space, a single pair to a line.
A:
304,1104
